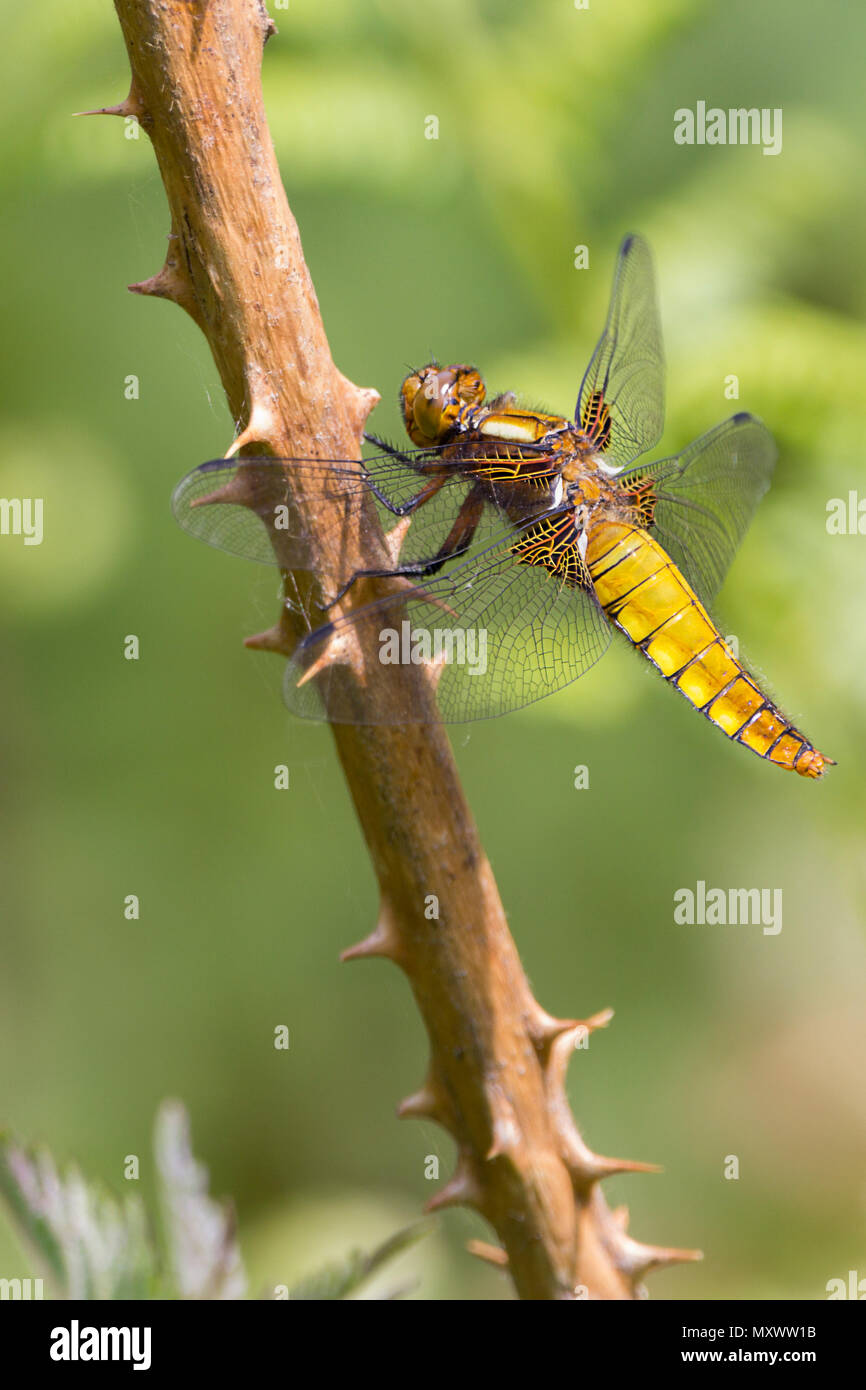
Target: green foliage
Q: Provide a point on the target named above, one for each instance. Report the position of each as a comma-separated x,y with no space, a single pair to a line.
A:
156,777
340,1280
93,1246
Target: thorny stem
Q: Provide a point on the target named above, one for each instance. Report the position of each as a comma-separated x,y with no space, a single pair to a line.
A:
497,1059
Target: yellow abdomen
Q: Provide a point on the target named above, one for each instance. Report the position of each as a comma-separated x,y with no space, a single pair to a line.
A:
645,595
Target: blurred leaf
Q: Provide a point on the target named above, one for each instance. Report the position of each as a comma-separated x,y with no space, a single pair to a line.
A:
339,1280
92,1245
96,1247
200,1233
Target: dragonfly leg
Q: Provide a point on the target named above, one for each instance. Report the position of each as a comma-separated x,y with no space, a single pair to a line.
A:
457,542
407,508
390,449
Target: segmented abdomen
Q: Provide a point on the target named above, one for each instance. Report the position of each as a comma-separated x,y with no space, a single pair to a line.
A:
645,595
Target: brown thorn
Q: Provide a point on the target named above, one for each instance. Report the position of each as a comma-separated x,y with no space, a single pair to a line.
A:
587,1167
564,1044
461,1190
636,1259
416,591
167,283
435,667
546,1028
130,106
334,653
491,1254
382,941
234,492
612,1167
395,538
122,109
258,430
598,1020
423,1104
273,639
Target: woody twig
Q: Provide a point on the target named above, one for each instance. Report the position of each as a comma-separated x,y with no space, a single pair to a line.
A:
497,1059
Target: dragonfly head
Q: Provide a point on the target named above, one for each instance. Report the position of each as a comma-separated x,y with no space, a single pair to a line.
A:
433,399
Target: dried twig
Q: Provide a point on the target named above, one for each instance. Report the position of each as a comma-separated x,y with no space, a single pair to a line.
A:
496,1077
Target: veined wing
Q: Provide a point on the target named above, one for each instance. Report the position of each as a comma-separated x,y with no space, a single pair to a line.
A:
233,504
700,503
252,495
622,396
506,634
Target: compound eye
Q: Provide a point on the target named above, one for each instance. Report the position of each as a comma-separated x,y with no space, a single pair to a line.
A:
430,401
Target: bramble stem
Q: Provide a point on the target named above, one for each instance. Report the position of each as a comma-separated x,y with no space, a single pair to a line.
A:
497,1059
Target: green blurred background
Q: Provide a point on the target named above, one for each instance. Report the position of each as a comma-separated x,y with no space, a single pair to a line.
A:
156,777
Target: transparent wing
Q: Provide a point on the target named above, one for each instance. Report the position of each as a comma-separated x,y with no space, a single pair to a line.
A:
700,503
503,634
231,503
622,396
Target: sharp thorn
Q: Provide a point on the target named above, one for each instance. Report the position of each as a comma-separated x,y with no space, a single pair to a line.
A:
258,430
460,1191
334,653
423,1104
273,639
382,941
435,666
491,1254
416,591
120,110
234,492
395,538
636,1259
587,1167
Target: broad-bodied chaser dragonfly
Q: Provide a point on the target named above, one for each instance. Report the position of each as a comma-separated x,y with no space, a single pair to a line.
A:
532,537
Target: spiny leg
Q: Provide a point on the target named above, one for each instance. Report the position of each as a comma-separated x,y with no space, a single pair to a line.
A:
391,450
457,542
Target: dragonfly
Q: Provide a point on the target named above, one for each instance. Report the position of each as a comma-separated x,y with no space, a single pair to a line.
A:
528,539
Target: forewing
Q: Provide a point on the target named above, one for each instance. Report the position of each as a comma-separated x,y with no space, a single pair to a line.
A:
232,504
626,374
509,633
706,497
